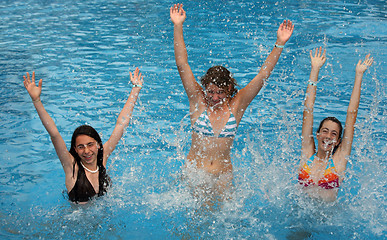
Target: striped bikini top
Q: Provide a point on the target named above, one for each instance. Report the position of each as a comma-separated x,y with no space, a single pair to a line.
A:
203,126
329,181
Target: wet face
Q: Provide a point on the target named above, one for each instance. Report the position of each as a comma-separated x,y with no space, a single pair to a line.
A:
215,95
87,149
328,137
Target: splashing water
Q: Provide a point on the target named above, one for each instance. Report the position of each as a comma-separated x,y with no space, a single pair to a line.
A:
84,52
327,143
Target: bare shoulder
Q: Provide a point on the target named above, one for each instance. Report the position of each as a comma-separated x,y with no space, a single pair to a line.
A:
340,159
196,108
236,107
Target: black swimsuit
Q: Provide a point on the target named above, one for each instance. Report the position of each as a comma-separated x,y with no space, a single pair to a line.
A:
83,191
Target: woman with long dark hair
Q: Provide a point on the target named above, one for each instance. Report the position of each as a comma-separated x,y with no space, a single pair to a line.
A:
85,163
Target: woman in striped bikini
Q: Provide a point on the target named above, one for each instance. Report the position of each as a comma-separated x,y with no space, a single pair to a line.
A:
216,110
322,169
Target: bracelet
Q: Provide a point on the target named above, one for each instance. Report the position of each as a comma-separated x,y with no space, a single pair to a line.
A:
279,46
312,83
38,100
137,85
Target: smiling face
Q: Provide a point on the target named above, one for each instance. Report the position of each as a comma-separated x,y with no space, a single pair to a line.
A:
215,96
328,135
87,149
218,84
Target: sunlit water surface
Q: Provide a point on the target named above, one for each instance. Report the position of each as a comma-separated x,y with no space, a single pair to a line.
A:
84,51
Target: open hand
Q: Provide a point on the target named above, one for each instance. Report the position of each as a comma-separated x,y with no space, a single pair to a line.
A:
318,59
177,14
136,78
31,87
284,32
361,67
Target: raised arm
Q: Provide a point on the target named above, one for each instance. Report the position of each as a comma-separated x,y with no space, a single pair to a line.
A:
317,60
56,139
192,88
124,116
248,93
345,147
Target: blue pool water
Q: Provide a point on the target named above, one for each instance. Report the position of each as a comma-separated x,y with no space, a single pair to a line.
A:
84,51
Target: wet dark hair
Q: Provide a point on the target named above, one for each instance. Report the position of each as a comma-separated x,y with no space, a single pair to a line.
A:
222,78
91,132
335,120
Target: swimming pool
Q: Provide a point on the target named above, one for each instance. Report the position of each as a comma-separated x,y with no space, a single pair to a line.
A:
84,51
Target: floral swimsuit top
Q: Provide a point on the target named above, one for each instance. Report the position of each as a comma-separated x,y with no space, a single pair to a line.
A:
329,181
